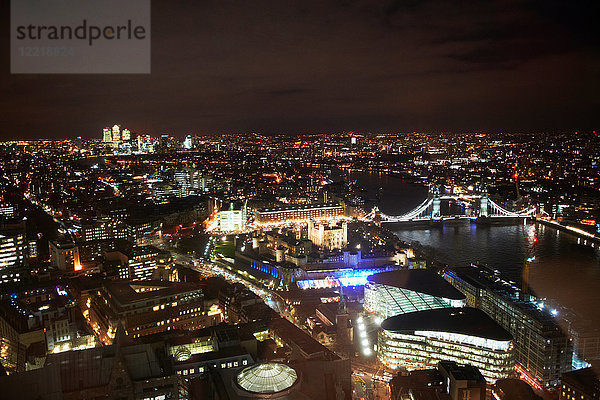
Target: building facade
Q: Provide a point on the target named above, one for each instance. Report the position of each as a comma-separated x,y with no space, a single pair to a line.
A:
13,249
329,237
542,350
582,384
233,218
65,256
465,335
296,214
148,307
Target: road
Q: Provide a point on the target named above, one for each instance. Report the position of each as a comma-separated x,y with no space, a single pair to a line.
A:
369,381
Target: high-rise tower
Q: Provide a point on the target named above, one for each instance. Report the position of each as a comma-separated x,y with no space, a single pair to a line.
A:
116,134
106,135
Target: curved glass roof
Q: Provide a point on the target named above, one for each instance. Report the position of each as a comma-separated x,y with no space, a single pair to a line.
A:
267,378
418,280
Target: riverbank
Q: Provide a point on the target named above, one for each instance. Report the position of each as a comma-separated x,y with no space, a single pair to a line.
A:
594,240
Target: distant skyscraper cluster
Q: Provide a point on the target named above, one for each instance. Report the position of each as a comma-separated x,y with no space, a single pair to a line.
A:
122,141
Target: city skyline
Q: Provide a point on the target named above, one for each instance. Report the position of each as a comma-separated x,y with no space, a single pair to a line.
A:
347,200
361,253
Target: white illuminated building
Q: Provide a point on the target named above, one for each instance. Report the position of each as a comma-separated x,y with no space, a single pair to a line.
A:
116,133
106,135
328,236
232,219
13,249
421,339
297,214
188,142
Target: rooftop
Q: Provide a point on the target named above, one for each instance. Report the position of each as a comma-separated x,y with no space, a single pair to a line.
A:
418,280
482,278
461,372
513,389
134,291
292,207
267,378
585,380
466,321
137,251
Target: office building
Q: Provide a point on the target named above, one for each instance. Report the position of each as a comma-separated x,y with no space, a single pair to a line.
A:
184,180
582,384
13,249
449,381
116,134
233,218
145,144
462,381
298,214
403,291
542,350
109,372
18,333
138,263
148,307
7,210
188,143
64,255
103,229
107,135
419,340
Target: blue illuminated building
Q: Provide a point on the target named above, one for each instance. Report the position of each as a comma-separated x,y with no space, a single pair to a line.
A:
266,267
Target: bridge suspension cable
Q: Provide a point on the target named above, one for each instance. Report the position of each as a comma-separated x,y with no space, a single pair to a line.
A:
425,210
527,212
417,212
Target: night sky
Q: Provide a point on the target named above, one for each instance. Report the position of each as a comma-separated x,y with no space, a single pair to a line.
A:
318,66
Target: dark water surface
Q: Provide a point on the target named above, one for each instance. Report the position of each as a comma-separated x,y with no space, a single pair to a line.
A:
562,270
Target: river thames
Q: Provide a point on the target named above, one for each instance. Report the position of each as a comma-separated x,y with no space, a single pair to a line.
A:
563,270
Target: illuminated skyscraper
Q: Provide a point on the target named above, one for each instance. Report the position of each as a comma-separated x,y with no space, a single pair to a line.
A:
106,135
188,143
116,134
126,135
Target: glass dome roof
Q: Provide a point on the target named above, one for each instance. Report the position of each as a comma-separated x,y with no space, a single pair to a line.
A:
267,378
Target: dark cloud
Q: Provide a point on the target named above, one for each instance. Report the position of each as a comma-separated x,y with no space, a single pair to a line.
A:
287,92
285,66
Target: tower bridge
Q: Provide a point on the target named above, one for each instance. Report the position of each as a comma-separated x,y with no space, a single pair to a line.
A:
430,209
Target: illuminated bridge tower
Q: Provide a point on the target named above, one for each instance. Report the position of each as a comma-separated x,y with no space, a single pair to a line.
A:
483,205
435,193
377,217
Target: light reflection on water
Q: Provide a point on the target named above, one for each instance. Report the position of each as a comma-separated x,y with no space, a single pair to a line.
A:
562,269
